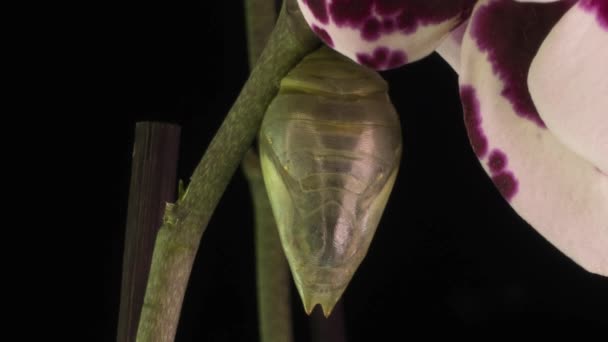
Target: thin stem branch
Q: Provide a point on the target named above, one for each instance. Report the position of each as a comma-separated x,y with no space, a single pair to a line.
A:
185,221
153,179
260,18
272,271
273,277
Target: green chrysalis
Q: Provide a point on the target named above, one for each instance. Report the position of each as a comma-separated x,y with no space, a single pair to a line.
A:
330,146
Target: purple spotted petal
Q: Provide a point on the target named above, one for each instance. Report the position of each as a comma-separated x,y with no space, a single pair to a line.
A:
384,34
569,81
561,194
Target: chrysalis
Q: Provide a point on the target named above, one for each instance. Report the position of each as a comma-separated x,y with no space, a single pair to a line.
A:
330,146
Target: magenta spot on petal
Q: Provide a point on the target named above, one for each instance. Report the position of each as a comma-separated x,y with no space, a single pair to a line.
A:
511,33
425,12
391,7
383,58
397,59
371,29
408,14
600,8
407,23
506,183
381,54
366,60
472,120
388,25
321,33
497,161
350,12
412,14
318,9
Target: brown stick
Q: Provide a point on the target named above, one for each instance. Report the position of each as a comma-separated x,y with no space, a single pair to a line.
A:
153,180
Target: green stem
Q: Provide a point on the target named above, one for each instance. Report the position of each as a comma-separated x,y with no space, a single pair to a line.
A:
260,17
273,277
272,271
185,221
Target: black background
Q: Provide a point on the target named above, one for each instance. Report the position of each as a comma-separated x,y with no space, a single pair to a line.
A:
450,255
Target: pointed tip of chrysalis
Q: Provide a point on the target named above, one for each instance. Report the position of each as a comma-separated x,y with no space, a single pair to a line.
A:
308,307
328,309
326,298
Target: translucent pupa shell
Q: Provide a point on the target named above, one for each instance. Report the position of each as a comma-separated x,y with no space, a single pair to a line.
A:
330,146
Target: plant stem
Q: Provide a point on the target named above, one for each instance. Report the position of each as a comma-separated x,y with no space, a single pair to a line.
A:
185,221
272,271
273,277
260,18
153,179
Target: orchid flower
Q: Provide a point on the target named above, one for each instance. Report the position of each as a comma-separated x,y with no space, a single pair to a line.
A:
534,89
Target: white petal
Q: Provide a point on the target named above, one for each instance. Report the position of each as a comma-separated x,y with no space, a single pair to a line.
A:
562,195
450,48
568,82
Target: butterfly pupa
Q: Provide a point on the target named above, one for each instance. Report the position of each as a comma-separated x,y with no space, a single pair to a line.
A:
330,146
